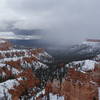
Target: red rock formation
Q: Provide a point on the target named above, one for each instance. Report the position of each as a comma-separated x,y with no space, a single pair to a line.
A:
76,86
77,75
93,40
28,81
78,90
37,51
30,59
14,64
96,74
5,45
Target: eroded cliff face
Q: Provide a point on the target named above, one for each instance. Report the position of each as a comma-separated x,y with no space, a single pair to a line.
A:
96,74
17,71
5,45
77,84
25,75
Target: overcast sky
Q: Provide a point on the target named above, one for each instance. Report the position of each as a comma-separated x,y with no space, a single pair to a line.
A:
65,20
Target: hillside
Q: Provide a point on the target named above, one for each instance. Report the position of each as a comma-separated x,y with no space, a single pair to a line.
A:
33,74
17,71
81,82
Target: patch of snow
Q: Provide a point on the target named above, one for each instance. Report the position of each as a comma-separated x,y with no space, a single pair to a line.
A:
55,97
19,79
88,65
41,92
2,65
2,41
52,97
5,86
13,50
97,58
15,71
3,74
84,65
10,59
83,71
39,64
89,43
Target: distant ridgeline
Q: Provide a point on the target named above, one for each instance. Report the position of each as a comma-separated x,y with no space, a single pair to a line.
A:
93,40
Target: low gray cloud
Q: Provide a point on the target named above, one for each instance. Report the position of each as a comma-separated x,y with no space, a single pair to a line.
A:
66,21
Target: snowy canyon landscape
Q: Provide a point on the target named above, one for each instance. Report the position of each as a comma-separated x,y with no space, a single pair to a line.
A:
49,50
33,74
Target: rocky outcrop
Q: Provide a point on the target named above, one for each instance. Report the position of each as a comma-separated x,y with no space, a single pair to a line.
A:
5,45
76,85
28,81
20,66
96,74
79,86
24,75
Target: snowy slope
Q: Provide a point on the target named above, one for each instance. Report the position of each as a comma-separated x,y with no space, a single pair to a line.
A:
55,97
26,59
16,62
86,47
5,86
84,65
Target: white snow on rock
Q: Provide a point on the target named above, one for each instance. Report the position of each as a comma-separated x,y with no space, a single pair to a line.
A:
2,65
2,41
51,96
84,65
88,65
89,43
13,50
92,44
5,86
15,71
97,58
55,97
41,92
44,56
10,59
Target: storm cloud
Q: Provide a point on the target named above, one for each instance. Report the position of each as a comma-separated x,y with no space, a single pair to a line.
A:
65,21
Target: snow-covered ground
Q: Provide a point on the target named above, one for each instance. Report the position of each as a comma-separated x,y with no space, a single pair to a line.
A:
88,65
55,97
13,50
43,56
5,86
91,43
51,96
84,65
2,41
